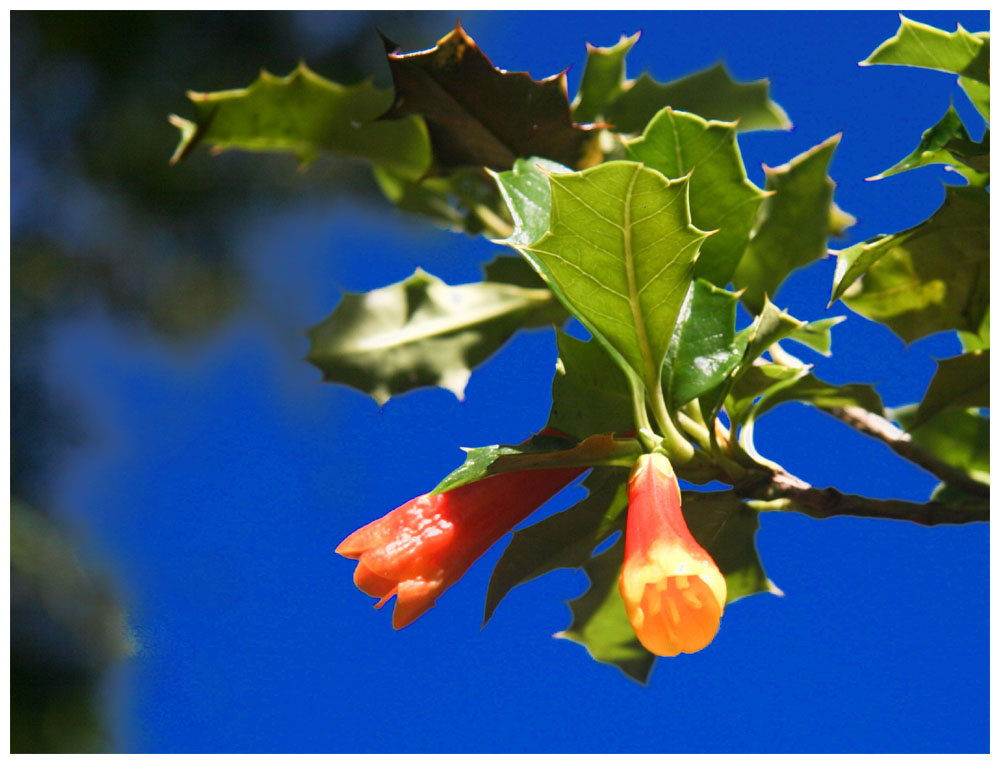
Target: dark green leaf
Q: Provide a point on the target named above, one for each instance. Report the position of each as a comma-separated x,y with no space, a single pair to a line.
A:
916,44
619,253
589,392
528,194
959,437
453,201
722,198
419,332
704,349
563,540
603,77
304,114
930,278
753,382
711,93
504,269
809,389
600,623
794,224
478,115
960,381
542,452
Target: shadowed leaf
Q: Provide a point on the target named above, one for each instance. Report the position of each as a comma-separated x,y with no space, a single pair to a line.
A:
960,381
589,392
603,78
959,437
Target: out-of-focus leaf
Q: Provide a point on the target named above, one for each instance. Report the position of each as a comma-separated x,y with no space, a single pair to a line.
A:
542,452
711,93
305,114
564,540
959,437
528,195
504,269
704,349
478,115
726,528
599,620
816,334
979,95
619,253
921,45
977,340
948,143
960,381
589,392
929,278
840,221
814,391
450,201
794,224
419,332
603,77
723,200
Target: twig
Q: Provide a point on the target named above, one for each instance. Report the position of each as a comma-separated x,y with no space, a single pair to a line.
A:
900,442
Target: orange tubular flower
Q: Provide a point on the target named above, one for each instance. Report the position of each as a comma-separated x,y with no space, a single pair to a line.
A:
423,547
674,593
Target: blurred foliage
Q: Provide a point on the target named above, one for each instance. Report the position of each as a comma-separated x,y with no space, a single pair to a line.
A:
100,221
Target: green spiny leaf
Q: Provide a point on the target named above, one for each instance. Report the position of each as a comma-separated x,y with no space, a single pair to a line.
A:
752,383
305,114
563,540
816,334
722,198
929,278
419,332
528,195
452,201
814,391
979,95
711,93
977,340
927,47
960,381
959,437
794,224
603,78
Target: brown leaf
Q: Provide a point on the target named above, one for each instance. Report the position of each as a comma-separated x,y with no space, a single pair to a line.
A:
480,115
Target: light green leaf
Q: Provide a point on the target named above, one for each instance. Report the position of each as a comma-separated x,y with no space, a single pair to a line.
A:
619,253
528,195
600,623
814,391
452,201
929,278
542,452
305,114
977,340
564,540
770,326
921,45
704,350
722,198
816,334
948,143
960,381
419,332
603,77
589,392
794,224
711,93
752,383
979,95
959,437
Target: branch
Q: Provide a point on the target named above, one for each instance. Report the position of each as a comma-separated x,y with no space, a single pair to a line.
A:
900,442
787,493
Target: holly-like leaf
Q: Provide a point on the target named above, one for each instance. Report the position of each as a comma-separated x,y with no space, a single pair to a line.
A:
948,143
770,326
921,45
752,383
542,452
959,437
807,388
305,115
794,224
528,195
600,623
722,198
960,381
704,350
603,79
816,334
479,115
711,93
929,278
619,254
504,269
419,332
564,540
979,95
589,392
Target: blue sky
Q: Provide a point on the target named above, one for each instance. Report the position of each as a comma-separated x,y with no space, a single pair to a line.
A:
221,476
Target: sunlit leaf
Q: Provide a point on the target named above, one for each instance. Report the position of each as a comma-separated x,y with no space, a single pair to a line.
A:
419,332
977,340
929,278
528,194
794,224
711,93
304,114
603,78
816,334
479,115
722,198
956,436
979,95
921,45
960,381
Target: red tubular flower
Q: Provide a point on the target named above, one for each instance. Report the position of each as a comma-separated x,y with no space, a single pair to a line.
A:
674,593
423,547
